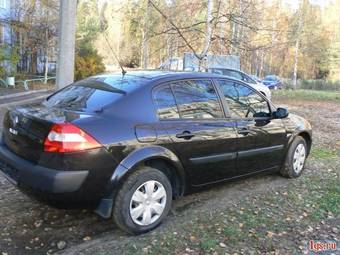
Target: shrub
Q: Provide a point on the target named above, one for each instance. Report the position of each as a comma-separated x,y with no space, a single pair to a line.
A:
9,58
89,65
320,85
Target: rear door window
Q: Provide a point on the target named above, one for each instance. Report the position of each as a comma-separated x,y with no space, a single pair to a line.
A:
165,103
197,99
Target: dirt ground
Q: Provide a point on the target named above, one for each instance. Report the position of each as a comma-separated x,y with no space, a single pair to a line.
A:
29,227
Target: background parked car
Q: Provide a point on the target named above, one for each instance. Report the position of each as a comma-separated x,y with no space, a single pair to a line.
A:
255,78
272,82
243,77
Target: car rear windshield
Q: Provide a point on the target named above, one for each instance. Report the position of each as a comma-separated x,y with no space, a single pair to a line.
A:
94,93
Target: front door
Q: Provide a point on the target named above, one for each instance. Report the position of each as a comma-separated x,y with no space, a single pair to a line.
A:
203,139
261,139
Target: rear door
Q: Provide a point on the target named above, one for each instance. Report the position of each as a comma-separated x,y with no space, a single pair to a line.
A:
261,139
203,139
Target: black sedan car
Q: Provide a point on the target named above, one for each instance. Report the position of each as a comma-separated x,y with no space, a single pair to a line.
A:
129,144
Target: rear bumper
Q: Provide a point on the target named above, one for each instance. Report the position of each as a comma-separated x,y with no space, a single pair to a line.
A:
22,172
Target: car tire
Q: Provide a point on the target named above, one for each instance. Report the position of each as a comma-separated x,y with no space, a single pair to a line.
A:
295,159
137,192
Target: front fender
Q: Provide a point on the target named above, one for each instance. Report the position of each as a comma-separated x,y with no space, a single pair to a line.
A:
127,166
297,126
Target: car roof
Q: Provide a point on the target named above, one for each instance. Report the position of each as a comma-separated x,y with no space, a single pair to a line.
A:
226,68
147,76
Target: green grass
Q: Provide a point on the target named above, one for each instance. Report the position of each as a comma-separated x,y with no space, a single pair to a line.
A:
322,153
208,243
316,95
329,201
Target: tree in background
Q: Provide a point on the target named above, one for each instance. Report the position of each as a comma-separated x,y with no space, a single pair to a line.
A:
262,33
144,33
35,25
87,60
9,55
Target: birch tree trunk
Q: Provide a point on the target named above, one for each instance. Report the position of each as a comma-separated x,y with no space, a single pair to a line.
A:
46,57
296,55
145,37
208,31
297,43
46,69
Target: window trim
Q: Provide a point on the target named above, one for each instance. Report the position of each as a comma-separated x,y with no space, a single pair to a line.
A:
168,83
269,104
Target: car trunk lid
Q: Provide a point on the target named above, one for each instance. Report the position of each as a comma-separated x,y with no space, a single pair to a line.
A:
24,133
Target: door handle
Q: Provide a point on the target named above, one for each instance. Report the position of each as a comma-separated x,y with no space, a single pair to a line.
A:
243,131
186,135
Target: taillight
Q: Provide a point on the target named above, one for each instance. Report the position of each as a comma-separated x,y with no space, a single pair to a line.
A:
65,137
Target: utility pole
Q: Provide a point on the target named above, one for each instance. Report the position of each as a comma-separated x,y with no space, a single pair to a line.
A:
66,42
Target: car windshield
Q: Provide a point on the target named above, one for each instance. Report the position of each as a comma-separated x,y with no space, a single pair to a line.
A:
270,78
93,94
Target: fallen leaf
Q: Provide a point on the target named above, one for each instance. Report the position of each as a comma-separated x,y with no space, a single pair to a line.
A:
87,238
223,245
270,234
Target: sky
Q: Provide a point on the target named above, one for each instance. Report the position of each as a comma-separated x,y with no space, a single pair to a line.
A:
295,3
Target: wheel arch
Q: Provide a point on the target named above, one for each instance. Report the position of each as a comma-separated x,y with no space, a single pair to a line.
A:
308,138
157,157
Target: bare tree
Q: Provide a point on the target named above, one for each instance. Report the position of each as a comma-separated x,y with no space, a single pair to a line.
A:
297,43
145,37
210,23
208,29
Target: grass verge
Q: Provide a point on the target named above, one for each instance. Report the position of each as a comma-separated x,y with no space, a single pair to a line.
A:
323,153
316,95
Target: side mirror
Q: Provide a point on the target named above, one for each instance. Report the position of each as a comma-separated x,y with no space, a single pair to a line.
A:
281,113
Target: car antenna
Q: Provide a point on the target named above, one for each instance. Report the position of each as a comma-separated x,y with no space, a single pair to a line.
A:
114,54
103,28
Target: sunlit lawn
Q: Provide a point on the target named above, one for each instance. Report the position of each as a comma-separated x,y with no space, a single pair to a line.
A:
309,94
